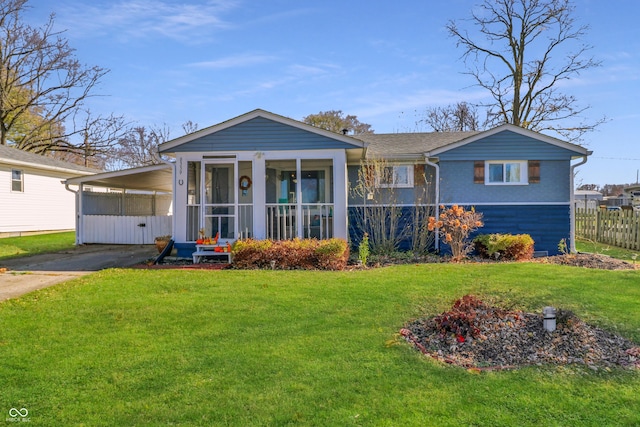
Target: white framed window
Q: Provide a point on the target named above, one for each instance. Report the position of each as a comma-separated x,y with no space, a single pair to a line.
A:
396,176
506,172
17,181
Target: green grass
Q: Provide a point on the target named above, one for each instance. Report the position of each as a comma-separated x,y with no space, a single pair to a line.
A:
604,249
273,348
12,247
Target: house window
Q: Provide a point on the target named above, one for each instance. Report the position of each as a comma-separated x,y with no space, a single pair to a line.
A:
506,173
398,176
17,180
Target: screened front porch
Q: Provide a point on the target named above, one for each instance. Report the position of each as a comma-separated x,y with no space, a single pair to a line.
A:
294,198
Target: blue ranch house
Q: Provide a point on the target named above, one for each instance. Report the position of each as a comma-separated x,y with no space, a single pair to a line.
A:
265,176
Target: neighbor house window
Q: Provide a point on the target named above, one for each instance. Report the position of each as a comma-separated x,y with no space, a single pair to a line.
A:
505,172
397,176
17,180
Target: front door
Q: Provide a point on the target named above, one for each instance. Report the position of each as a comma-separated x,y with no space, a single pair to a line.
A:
219,214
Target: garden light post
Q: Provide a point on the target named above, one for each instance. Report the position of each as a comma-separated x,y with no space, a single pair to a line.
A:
549,315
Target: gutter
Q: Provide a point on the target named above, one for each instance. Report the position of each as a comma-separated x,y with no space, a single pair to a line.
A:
572,210
73,172
436,197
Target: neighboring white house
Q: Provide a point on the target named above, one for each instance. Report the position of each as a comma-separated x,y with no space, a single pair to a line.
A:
632,193
589,199
32,193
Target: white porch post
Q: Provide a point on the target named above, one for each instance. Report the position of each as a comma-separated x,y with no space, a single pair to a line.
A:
180,179
259,170
340,214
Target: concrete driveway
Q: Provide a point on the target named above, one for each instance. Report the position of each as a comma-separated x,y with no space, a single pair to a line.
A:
27,274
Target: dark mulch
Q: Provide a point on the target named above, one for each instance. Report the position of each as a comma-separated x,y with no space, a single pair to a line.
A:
602,262
510,339
175,263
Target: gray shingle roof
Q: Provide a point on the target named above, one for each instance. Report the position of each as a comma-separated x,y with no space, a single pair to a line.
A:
9,154
404,144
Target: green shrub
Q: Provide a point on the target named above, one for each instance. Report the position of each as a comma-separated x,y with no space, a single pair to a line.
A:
508,247
364,249
307,254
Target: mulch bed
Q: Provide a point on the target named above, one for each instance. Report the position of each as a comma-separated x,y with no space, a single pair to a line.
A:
174,263
602,262
500,339
597,261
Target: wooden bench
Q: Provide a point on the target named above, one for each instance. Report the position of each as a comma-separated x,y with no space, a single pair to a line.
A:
208,250
198,255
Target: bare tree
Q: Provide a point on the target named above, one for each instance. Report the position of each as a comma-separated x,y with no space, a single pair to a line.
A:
336,121
516,58
452,118
386,220
139,147
189,127
99,136
42,84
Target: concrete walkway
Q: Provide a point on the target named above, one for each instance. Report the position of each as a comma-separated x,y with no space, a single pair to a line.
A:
27,274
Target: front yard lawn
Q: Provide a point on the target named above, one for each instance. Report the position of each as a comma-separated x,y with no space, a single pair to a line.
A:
11,247
604,249
243,348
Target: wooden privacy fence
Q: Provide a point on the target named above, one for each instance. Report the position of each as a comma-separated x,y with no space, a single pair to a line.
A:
618,228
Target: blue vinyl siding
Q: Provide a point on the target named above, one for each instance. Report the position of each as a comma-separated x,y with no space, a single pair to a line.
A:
260,134
508,145
405,220
420,193
457,186
546,225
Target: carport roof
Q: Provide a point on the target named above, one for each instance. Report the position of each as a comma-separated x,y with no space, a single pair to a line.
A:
146,178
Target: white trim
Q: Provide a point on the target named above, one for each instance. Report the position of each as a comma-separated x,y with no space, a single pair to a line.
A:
524,172
115,174
45,167
516,129
466,204
506,203
404,205
167,146
15,180
410,177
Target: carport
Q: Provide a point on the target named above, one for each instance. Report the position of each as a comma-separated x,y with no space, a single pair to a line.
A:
131,206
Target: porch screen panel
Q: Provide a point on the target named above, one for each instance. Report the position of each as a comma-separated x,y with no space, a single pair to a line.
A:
219,215
193,200
316,192
281,188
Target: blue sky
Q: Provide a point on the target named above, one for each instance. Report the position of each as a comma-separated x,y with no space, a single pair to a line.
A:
385,62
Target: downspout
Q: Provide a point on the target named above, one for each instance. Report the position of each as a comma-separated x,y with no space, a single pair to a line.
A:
78,199
436,198
572,215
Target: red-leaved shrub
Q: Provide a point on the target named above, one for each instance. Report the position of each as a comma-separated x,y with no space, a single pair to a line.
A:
307,254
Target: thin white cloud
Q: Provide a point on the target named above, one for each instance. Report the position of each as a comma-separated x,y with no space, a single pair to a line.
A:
147,18
235,61
378,104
